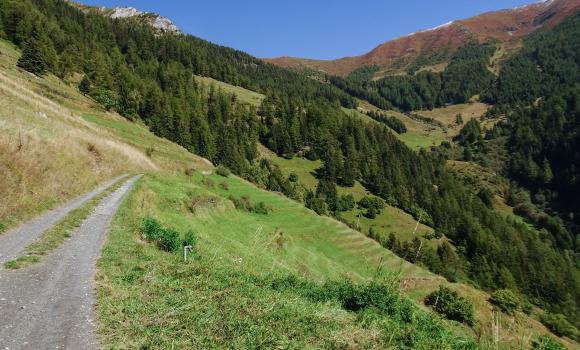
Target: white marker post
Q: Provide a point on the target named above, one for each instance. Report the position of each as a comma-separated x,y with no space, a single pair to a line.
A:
186,249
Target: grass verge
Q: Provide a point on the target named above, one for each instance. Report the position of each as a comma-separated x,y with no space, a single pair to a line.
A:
55,236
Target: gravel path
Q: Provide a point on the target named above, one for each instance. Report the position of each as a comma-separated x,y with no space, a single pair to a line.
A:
51,305
13,242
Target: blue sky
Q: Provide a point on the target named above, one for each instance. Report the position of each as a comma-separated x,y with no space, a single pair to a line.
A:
322,29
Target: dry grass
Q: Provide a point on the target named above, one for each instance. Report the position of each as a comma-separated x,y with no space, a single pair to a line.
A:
447,115
49,153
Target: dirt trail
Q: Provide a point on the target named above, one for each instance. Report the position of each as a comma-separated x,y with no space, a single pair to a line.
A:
13,243
50,305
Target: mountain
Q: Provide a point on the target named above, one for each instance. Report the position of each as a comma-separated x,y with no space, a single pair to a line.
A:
155,20
436,45
342,166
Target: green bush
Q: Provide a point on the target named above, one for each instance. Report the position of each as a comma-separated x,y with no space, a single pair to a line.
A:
244,203
107,98
223,171
558,324
169,240
547,343
166,239
261,208
151,229
527,307
448,303
506,300
2,227
190,239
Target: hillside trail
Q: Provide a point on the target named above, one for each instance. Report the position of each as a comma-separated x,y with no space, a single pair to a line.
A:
13,242
51,305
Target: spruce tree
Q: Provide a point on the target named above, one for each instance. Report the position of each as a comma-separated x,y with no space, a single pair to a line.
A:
39,55
85,85
31,59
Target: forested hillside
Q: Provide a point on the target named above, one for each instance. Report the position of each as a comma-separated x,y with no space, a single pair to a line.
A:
539,90
466,75
144,75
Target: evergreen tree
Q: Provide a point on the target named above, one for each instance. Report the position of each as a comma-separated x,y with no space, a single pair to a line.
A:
85,85
39,55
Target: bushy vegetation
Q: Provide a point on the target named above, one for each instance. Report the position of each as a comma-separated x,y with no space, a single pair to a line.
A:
547,343
244,203
506,300
166,239
373,206
558,324
392,122
448,303
222,171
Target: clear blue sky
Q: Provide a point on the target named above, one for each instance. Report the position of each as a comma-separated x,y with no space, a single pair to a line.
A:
322,29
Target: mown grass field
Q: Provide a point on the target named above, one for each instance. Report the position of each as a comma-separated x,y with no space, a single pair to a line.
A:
232,294
235,292
390,220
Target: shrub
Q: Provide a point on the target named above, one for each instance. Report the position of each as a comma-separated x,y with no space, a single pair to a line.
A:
169,240
371,213
107,98
190,239
345,203
527,307
189,171
558,324
547,343
448,303
293,177
261,208
506,301
368,202
225,186
2,227
244,203
166,239
151,229
149,151
223,171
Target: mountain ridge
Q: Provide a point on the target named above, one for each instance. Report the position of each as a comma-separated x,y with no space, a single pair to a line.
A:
155,20
507,26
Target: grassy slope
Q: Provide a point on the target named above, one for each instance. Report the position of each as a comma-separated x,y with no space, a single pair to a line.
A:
391,220
151,298
447,115
244,95
419,134
49,154
147,297
45,159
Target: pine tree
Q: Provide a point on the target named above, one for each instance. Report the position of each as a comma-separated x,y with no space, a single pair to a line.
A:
32,60
39,55
85,85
